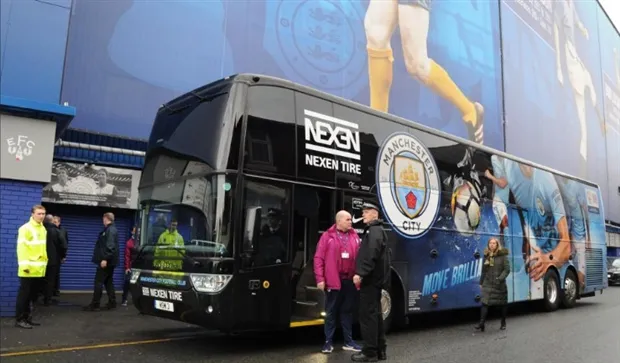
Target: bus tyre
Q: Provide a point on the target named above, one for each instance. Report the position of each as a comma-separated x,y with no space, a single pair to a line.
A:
392,309
571,290
552,291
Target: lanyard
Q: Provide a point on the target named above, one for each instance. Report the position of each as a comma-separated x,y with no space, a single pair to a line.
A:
344,241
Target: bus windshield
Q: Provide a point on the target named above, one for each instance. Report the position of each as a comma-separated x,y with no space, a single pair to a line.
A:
183,221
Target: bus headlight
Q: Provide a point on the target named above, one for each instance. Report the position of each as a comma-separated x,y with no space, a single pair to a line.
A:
135,273
209,282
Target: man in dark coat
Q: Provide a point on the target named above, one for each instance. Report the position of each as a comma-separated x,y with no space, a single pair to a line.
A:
371,275
62,256
495,270
55,252
105,256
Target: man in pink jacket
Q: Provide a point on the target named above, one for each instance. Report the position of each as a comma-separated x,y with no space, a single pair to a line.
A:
334,267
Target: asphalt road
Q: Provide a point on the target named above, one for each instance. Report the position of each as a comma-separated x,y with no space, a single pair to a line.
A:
588,333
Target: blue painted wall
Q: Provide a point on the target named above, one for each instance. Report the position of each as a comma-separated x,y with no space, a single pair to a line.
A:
126,58
16,201
33,38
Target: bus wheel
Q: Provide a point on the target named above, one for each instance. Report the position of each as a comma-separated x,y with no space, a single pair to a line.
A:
571,290
392,308
552,291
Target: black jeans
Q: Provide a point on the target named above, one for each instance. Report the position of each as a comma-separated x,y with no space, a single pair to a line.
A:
57,283
29,288
339,303
484,312
126,286
104,276
51,273
371,320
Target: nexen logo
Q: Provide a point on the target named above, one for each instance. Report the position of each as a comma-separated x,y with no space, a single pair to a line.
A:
343,139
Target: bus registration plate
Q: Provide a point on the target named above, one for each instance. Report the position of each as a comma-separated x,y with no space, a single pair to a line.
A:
164,305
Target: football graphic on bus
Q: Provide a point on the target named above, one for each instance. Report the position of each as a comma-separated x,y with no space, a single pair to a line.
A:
465,205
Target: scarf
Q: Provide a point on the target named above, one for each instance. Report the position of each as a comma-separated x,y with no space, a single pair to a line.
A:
491,258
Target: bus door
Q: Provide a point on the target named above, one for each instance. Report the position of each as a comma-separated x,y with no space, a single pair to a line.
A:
314,211
262,284
518,244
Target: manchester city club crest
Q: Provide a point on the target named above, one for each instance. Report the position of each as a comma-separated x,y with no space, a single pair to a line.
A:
320,43
409,185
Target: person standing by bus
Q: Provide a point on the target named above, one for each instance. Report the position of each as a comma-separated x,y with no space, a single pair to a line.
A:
334,267
63,255
55,253
130,254
105,256
32,263
495,270
371,275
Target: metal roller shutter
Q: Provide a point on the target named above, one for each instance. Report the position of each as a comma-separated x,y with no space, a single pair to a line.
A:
78,272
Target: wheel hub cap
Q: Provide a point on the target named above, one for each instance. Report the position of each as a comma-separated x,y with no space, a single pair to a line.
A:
552,291
386,304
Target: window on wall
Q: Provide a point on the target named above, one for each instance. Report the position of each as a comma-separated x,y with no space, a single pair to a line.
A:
266,221
270,138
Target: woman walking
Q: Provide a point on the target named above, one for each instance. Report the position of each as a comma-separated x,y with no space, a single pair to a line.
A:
495,270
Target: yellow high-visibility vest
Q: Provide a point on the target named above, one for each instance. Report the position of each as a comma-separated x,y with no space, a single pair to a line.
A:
32,249
162,259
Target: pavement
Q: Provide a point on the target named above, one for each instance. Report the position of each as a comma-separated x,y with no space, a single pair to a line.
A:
588,333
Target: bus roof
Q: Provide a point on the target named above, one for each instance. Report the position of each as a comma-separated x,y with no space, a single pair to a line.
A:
265,80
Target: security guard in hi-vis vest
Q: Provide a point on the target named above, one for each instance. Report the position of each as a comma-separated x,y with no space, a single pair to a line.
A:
170,249
32,262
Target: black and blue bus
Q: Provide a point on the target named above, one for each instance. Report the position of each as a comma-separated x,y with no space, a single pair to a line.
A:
243,175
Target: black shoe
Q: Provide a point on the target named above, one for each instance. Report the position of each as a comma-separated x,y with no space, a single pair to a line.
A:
111,305
91,307
381,355
480,327
29,321
503,326
23,324
361,357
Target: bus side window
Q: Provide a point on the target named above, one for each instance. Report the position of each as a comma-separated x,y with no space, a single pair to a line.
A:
270,138
266,224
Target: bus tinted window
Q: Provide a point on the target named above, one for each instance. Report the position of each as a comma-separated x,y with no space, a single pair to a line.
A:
270,139
175,127
266,223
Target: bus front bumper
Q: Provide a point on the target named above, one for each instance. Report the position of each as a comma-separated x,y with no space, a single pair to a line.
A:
187,306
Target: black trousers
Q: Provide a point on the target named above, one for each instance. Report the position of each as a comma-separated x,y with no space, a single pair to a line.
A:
29,288
371,320
126,286
51,273
484,312
57,283
104,276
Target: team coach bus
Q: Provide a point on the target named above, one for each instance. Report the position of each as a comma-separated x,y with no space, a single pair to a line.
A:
243,175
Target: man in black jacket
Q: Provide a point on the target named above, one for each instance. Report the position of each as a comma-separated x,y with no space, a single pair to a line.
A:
55,252
105,256
371,274
63,256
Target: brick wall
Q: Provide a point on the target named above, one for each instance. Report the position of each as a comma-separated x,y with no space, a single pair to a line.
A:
16,199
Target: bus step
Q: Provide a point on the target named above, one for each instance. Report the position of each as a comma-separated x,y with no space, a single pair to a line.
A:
315,294
300,321
308,309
